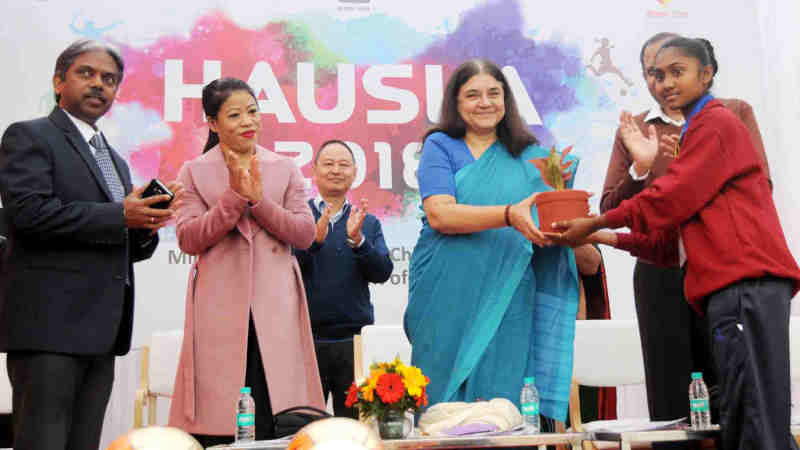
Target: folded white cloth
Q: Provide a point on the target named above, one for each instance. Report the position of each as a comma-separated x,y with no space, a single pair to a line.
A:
499,412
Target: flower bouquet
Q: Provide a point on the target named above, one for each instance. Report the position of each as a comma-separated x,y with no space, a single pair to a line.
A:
390,390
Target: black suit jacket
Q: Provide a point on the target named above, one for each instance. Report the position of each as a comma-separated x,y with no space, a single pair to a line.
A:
71,253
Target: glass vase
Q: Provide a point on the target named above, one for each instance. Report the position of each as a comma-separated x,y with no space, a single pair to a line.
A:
395,425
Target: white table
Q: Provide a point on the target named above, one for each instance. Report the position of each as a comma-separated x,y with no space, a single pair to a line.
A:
529,440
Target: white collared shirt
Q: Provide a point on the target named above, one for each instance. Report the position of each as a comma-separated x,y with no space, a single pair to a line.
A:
86,130
656,112
319,203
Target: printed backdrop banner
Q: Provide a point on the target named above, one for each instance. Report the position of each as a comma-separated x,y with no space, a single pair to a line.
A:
372,73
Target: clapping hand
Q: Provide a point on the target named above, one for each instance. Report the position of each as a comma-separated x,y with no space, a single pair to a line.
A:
322,224
356,220
668,145
245,182
642,147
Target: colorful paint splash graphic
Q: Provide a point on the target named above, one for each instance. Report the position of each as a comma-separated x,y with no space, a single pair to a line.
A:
552,71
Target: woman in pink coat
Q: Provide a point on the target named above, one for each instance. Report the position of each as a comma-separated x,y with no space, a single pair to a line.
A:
246,314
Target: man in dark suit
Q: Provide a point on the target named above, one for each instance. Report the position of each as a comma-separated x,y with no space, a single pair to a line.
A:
76,225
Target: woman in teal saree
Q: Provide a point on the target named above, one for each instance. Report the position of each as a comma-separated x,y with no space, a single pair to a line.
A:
486,307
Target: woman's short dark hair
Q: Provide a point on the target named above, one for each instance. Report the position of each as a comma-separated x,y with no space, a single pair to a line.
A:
511,131
658,37
699,48
79,47
214,95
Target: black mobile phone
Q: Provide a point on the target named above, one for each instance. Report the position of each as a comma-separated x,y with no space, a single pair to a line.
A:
157,188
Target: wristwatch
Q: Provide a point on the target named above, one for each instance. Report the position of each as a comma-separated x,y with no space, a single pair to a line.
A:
350,242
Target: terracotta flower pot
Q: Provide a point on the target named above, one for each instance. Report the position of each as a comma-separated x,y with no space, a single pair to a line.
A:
561,205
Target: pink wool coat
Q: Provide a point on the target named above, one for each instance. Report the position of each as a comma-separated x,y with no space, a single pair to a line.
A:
245,264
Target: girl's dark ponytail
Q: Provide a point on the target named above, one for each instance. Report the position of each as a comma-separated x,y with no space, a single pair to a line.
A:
712,60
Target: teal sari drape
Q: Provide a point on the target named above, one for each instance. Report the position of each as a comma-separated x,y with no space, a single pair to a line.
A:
487,309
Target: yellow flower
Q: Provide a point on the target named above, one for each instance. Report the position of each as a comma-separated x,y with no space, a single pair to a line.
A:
368,393
414,380
368,389
374,375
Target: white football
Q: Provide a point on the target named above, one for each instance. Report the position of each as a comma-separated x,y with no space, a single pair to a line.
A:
155,438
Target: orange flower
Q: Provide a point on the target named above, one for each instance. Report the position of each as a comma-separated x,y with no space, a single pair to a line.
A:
422,400
368,393
352,396
390,387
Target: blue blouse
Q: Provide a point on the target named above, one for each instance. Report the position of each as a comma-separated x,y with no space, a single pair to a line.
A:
442,157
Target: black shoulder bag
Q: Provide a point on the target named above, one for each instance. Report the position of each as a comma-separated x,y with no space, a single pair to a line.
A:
289,421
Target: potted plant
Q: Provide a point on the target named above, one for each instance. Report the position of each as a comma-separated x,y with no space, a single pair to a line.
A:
390,390
561,203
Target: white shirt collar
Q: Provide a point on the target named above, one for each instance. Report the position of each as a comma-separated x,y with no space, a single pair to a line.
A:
87,131
318,201
657,113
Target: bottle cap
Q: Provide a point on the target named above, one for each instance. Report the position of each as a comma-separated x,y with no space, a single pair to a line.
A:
529,380
244,390
697,375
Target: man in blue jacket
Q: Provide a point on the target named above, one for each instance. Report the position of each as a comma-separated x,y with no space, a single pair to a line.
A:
348,253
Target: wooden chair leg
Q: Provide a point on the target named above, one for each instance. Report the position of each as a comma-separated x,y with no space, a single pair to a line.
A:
358,365
143,393
138,404
152,401
560,427
575,418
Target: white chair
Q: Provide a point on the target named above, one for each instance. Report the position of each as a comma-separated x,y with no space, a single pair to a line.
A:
609,353
794,365
5,387
159,367
606,353
379,343
794,348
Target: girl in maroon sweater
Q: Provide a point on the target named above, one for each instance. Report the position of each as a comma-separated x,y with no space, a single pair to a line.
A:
712,212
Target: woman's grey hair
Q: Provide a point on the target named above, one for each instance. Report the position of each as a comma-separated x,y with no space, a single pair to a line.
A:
77,48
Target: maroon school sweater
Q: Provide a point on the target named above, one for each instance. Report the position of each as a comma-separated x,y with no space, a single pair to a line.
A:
717,195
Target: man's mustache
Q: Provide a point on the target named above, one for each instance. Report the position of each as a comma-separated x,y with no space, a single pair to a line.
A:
96,94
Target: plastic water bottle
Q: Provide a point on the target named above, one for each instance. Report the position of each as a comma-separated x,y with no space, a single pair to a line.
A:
698,403
245,417
529,399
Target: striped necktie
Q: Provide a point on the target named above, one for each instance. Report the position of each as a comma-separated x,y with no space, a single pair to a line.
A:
103,158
